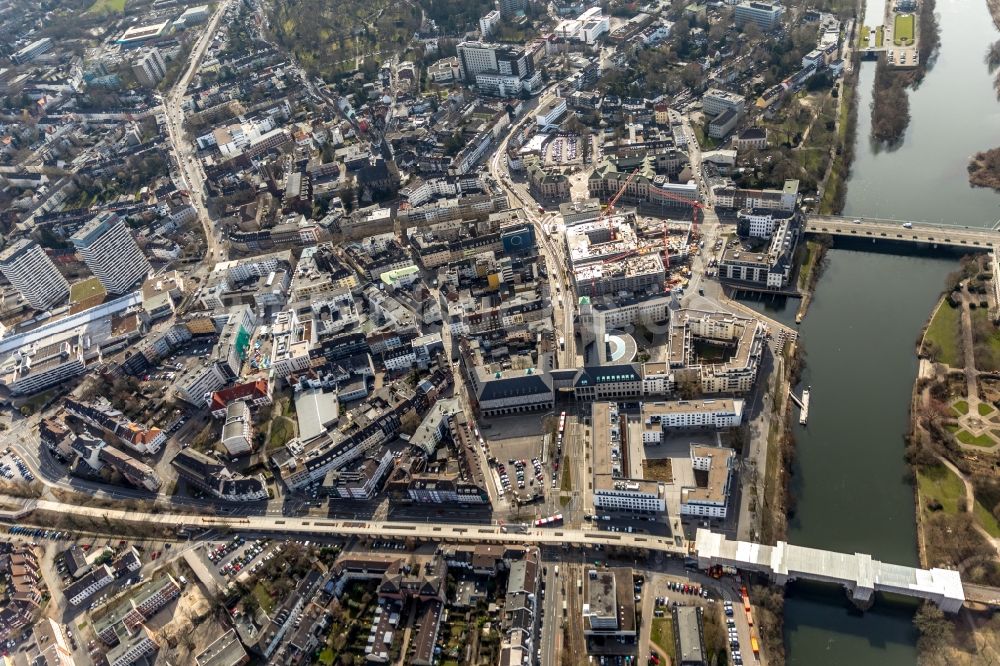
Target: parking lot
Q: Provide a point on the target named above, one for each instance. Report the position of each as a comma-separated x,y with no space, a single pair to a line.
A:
12,468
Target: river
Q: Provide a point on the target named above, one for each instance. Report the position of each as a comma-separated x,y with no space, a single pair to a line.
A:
860,336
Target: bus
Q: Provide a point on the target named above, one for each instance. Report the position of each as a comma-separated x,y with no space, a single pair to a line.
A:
549,521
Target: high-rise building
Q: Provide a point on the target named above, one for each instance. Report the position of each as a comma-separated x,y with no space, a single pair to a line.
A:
149,68
497,69
766,15
511,8
107,247
33,274
31,51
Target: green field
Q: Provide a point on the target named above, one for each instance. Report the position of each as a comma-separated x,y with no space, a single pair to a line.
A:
282,430
941,341
902,29
879,36
662,633
106,6
961,407
986,519
940,483
85,289
984,409
967,437
263,598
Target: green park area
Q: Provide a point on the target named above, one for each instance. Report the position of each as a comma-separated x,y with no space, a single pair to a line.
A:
939,487
902,29
107,6
966,437
941,342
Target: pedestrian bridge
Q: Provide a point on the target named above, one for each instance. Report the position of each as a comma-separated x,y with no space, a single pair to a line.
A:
923,233
858,573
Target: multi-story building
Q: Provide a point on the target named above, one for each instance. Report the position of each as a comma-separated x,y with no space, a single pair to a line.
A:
31,51
135,648
759,224
771,268
510,8
149,68
237,433
751,138
496,69
609,604
107,247
712,499
766,15
101,415
488,23
212,477
658,417
688,638
33,274
130,614
742,340
97,579
34,368
614,490
784,199
716,101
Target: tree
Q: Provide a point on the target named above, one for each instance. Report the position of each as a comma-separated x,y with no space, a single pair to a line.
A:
935,629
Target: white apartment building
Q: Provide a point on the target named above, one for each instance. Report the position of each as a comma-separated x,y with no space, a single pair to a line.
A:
757,224
149,68
612,489
33,274
716,101
660,416
107,247
489,23
710,501
237,432
766,15
87,586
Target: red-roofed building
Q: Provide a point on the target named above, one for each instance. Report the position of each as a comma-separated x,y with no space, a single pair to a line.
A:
256,393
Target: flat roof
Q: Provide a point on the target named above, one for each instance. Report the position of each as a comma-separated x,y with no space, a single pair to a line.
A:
716,489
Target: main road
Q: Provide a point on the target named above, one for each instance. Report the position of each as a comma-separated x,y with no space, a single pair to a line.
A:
189,167
904,232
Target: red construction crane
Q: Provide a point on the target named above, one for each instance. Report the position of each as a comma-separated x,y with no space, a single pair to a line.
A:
695,207
618,195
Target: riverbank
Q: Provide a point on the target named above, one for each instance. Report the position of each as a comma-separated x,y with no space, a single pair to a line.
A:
994,6
956,494
891,104
984,168
810,269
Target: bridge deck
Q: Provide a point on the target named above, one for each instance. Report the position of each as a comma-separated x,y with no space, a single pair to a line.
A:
858,572
893,230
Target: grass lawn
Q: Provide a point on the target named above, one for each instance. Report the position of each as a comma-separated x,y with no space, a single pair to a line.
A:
662,633
282,430
962,407
326,657
902,29
567,476
986,342
879,36
943,333
863,40
808,264
952,427
986,519
967,437
263,598
101,6
984,409
85,289
940,483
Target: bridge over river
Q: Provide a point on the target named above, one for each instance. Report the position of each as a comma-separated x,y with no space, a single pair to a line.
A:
922,233
859,573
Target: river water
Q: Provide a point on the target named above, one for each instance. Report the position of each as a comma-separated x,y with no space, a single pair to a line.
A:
860,336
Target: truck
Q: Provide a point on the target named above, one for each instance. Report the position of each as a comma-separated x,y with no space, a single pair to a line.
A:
755,645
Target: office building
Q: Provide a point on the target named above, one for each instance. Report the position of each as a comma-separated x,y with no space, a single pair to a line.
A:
107,247
709,499
609,604
771,268
489,23
716,101
766,15
511,8
31,51
149,68
658,417
497,69
33,274
237,433
689,643
614,490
